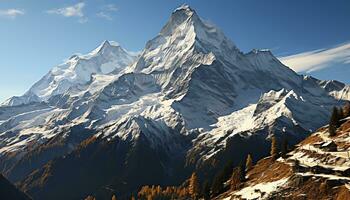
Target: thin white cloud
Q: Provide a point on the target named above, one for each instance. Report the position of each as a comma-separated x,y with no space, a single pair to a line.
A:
104,15
11,13
318,59
107,11
70,11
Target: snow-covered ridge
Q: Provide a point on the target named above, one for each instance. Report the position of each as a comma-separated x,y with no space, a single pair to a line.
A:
77,72
337,89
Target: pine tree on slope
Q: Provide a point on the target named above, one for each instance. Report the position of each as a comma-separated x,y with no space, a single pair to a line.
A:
346,109
333,124
235,180
274,149
249,162
194,186
284,148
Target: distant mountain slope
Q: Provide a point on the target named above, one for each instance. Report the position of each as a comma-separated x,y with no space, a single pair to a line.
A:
9,191
318,168
77,73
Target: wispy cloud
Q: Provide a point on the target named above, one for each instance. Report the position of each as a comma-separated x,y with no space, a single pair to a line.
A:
11,13
71,11
107,11
104,15
318,59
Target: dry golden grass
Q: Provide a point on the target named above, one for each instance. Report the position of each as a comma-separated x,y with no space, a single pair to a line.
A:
324,128
343,193
313,189
343,145
318,156
311,140
267,170
345,127
86,142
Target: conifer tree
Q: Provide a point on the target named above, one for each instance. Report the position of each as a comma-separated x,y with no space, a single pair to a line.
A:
346,109
284,147
274,151
249,162
296,166
340,115
324,187
235,180
194,186
333,124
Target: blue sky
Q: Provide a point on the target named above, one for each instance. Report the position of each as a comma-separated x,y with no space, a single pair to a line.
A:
36,35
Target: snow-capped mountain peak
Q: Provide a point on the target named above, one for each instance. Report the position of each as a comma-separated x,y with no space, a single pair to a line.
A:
181,15
106,47
185,43
76,73
185,21
184,7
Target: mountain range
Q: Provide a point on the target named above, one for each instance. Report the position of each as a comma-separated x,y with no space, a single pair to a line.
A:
111,121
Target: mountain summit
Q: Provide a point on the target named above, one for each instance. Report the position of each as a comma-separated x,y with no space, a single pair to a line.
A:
190,100
184,33
76,73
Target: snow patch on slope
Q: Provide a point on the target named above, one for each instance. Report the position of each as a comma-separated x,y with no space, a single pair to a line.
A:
261,190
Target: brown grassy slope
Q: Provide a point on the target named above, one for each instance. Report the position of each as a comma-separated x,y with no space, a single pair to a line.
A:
298,186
